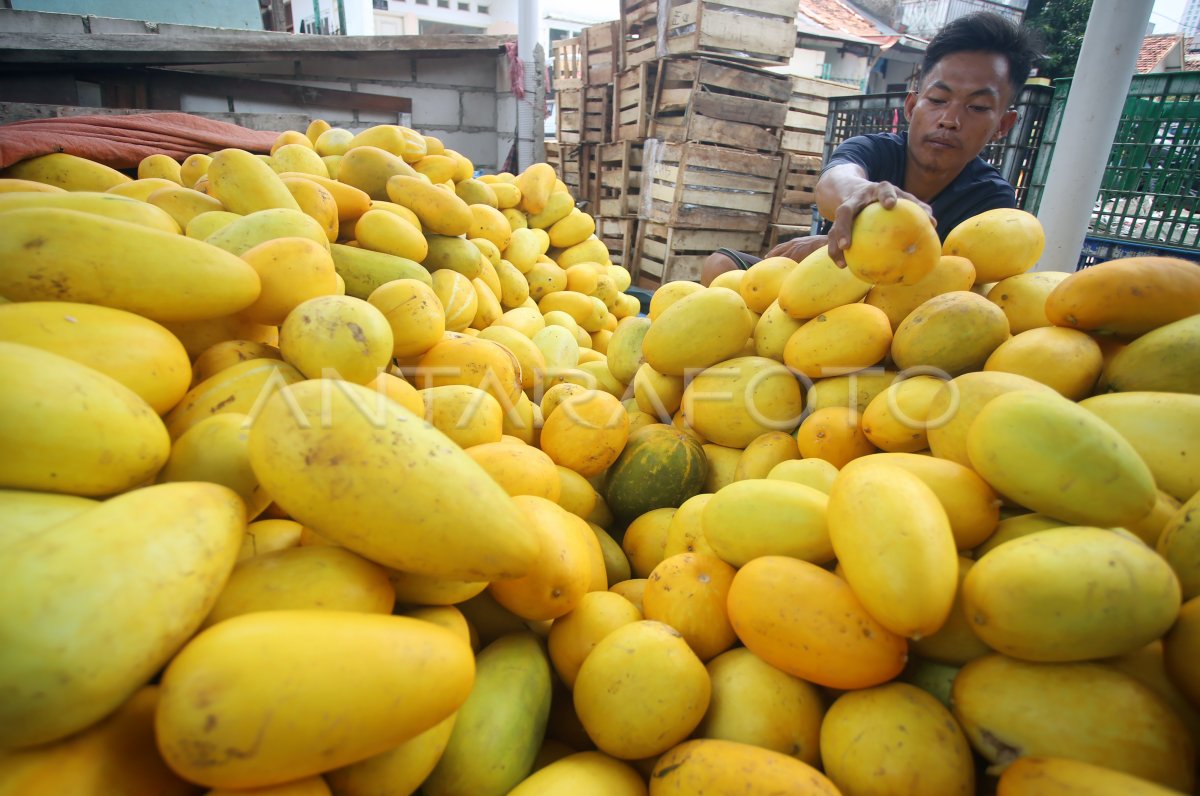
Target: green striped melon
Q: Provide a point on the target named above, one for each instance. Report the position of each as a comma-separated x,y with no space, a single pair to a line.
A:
660,467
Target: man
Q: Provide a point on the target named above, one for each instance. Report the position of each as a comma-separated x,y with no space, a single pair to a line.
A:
973,69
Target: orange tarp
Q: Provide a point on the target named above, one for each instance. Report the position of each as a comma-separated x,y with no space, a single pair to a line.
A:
123,141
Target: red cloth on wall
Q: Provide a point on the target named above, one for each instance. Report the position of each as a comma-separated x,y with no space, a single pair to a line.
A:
123,141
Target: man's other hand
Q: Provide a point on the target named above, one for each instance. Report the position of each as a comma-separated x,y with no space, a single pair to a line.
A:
799,248
843,222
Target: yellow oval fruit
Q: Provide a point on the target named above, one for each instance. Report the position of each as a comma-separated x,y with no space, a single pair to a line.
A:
1023,298
1061,776
441,212
414,313
66,255
519,469
586,432
772,331
1179,545
955,642
789,519
117,207
739,399
1067,360
336,337
583,774
448,517
808,622
816,285
458,298
1055,457
955,408
245,184
228,353
897,246
183,204
397,677
972,507
834,434
575,227
573,636
641,690
760,287
323,578
76,429
1009,707
561,573
844,339
1164,428
907,734
381,231
133,350
897,301
116,756
1001,242
1180,647
816,473
688,592
240,388
755,703
852,391
291,270
1110,595
368,168
705,766
896,419
215,450
763,453
70,589
697,331
906,578
67,171
954,333
467,415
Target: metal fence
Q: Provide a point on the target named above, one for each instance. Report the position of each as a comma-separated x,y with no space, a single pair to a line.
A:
1149,200
1015,157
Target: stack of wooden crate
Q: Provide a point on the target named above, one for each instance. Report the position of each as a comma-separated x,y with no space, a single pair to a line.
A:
802,144
687,136
711,119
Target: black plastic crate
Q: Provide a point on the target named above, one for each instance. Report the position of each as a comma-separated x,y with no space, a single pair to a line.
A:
1016,156
1099,250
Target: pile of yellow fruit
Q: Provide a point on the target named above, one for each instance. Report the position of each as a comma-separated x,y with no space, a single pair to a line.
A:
343,471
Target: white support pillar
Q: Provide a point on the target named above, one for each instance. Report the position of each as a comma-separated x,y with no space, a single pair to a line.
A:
527,39
1106,64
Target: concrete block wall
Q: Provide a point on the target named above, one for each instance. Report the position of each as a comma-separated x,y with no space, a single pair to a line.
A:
462,96
456,98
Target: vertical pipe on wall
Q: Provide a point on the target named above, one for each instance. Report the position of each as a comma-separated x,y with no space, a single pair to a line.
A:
341,8
527,36
1102,77
316,17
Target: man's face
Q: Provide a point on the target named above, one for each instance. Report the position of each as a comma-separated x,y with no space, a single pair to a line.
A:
961,105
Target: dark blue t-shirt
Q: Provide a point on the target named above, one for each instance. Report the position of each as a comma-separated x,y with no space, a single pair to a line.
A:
882,156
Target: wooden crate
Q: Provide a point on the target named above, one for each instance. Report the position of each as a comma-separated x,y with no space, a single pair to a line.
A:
569,116
707,187
602,53
808,107
619,187
795,194
597,114
666,253
720,103
619,235
782,233
566,64
633,102
759,31
554,155
577,168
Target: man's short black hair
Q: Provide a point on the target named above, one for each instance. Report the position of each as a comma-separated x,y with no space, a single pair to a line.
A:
987,32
